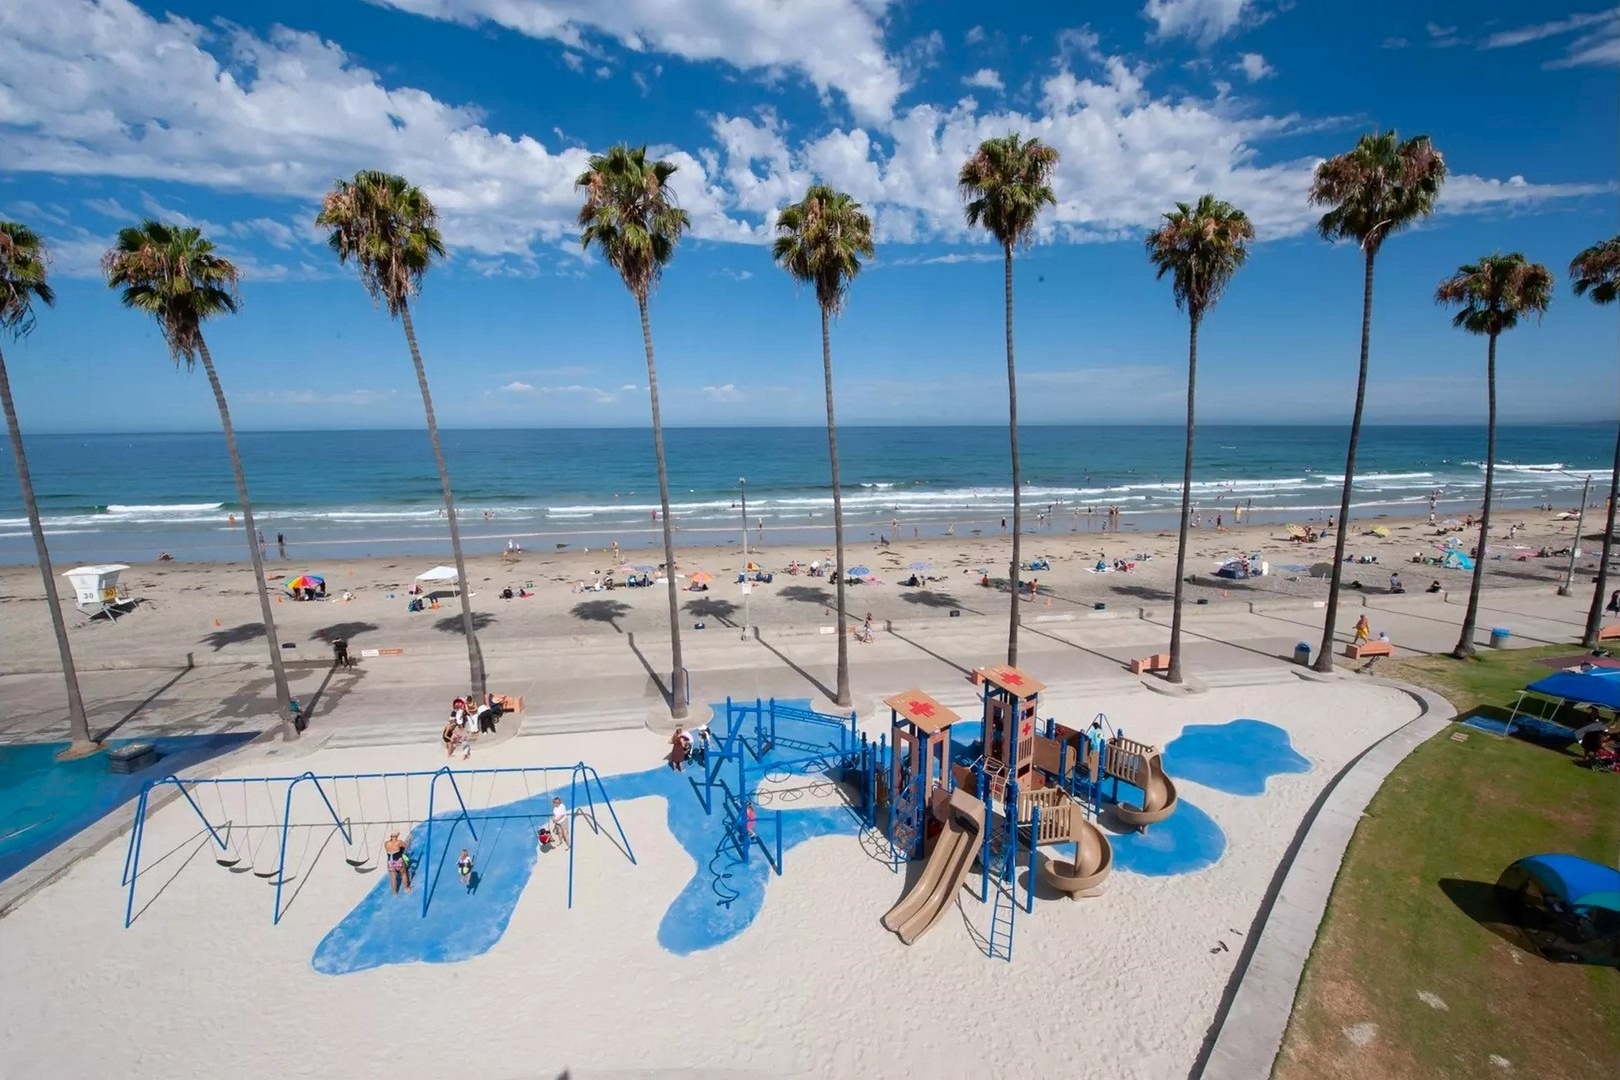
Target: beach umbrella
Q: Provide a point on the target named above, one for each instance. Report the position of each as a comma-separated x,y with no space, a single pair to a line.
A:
1294,530
700,578
1380,531
306,581
859,571
1322,569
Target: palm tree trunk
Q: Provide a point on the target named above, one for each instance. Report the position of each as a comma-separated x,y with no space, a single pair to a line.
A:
1017,471
78,720
475,654
277,670
1594,614
1324,659
1465,640
1174,675
677,677
842,698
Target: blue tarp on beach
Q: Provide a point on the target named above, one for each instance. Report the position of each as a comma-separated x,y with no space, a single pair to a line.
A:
1601,687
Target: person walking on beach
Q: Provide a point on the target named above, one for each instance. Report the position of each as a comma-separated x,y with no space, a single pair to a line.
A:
559,819
281,544
1363,630
261,543
677,751
398,858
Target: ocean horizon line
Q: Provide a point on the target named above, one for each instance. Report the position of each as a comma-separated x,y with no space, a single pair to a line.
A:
1203,426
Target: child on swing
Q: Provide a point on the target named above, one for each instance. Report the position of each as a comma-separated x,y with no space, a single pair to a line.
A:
464,867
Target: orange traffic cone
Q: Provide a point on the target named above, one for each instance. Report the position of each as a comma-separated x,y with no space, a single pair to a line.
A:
216,622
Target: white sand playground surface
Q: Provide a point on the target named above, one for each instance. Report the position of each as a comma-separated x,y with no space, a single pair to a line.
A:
1124,985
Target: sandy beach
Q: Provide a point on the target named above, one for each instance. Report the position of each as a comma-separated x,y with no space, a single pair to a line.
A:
211,608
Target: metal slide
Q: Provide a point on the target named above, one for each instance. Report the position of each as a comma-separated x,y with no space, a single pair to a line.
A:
942,876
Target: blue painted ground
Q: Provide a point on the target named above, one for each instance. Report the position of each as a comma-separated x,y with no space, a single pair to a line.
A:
721,900
1237,757
726,893
43,802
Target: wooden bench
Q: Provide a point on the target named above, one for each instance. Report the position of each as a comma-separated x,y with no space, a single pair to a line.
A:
1156,662
1369,648
1609,633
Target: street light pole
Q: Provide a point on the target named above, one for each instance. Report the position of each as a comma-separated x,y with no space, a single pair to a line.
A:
1575,545
748,586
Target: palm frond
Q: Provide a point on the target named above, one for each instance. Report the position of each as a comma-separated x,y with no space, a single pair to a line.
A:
388,228
23,259
1201,247
1492,295
174,274
630,215
821,241
1597,271
1006,184
1378,188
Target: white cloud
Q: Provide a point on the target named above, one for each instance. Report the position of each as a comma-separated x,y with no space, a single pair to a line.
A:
517,388
974,36
105,89
596,394
1442,37
734,275
1254,67
949,259
986,78
1599,46
629,387
1207,21
836,44
111,208
726,393
574,61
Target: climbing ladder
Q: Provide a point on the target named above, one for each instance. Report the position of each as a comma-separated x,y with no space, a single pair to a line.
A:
1003,912
905,821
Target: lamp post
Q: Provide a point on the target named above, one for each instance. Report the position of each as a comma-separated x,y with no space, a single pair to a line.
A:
1575,545
748,586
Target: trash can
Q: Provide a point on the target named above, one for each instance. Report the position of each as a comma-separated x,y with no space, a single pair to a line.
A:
1302,654
1499,636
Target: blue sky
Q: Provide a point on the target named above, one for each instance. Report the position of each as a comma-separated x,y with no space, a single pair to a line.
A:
237,117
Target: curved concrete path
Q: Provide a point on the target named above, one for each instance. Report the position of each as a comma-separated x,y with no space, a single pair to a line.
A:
1248,1029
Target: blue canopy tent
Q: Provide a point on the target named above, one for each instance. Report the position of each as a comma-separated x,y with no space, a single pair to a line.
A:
1599,688
1569,907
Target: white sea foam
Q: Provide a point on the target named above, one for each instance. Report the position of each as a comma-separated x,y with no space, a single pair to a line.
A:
162,508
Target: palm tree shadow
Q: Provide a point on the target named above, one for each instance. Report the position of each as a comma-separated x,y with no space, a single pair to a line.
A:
805,675
451,624
721,611
602,611
932,599
233,635
107,733
346,631
658,681
1142,592
807,594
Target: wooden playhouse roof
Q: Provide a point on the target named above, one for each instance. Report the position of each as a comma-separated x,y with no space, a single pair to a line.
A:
1013,681
923,711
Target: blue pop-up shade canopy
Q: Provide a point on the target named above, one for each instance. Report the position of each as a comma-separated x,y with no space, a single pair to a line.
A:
1600,687
1580,883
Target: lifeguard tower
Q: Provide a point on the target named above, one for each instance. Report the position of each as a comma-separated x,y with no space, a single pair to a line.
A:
97,592
1011,702
920,734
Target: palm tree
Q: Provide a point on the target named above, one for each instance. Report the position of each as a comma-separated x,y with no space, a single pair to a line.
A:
1005,184
1201,247
172,273
1378,188
1490,296
22,282
1596,272
631,217
389,229
821,240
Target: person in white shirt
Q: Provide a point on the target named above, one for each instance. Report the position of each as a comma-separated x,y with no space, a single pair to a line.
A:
559,820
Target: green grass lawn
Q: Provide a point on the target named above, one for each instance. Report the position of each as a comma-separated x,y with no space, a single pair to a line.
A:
1404,980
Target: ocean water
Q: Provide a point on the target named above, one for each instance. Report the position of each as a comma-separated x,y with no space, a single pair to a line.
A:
355,493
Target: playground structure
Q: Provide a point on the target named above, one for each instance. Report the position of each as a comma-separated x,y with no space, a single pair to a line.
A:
766,741
1026,784
263,848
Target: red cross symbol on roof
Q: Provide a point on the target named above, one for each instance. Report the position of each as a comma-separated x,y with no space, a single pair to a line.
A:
921,708
1012,678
